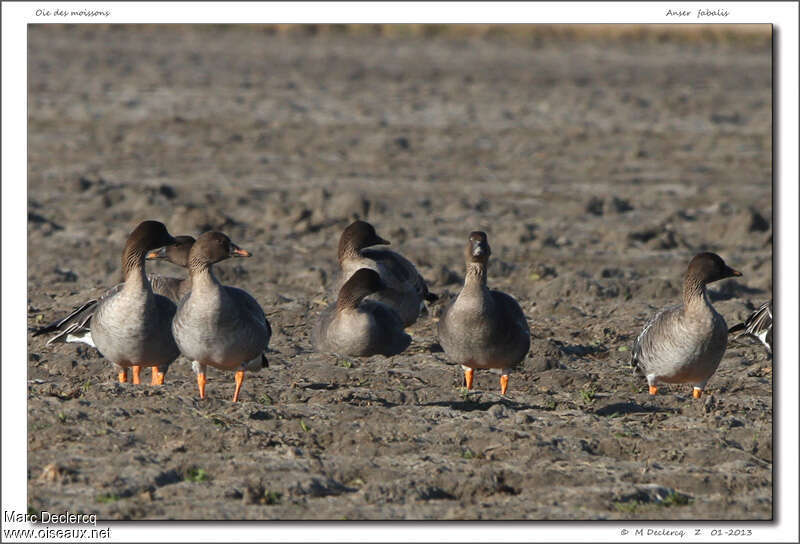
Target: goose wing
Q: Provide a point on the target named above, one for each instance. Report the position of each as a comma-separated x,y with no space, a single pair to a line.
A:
402,269
77,322
654,328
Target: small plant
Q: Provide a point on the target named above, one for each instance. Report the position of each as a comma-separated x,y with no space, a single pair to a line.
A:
588,395
344,363
468,454
550,404
85,387
623,348
106,498
272,497
196,475
219,422
304,426
463,393
266,400
62,417
628,507
675,499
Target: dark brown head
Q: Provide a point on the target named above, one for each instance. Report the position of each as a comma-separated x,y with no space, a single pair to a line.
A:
361,284
213,247
709,267
176,254
477,250
357,236
149,235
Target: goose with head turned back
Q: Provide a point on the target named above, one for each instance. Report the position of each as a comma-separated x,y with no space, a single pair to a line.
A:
405,288
76,327
483,328
172,288
130,325
219,325
685,343
357,327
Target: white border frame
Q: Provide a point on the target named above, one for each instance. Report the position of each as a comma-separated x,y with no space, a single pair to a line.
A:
15,17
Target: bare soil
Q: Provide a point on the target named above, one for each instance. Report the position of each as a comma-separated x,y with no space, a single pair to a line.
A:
596,168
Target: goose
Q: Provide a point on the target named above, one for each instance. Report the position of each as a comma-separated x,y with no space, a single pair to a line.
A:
357,327
130,325
758,325
172,288
76,326
219,325
405,288
685,343
483,328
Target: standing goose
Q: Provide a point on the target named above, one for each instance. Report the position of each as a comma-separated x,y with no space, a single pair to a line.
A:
219,325
76,327
405,288
483,328
685,343
357,327
130,325
758,325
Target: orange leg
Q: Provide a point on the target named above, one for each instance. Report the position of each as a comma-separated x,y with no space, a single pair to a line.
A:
697,392
123,375
158,377
653,389
239,380
468,374
201,384
503,384
137,369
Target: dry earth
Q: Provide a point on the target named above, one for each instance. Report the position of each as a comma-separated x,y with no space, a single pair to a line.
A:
597,169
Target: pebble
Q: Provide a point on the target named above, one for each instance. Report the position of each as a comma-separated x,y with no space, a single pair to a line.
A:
522,418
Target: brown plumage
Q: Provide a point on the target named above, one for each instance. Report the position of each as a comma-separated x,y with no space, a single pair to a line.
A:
131,324
685,343
178,254
405,288
483,328
75,327
357,327
219,325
